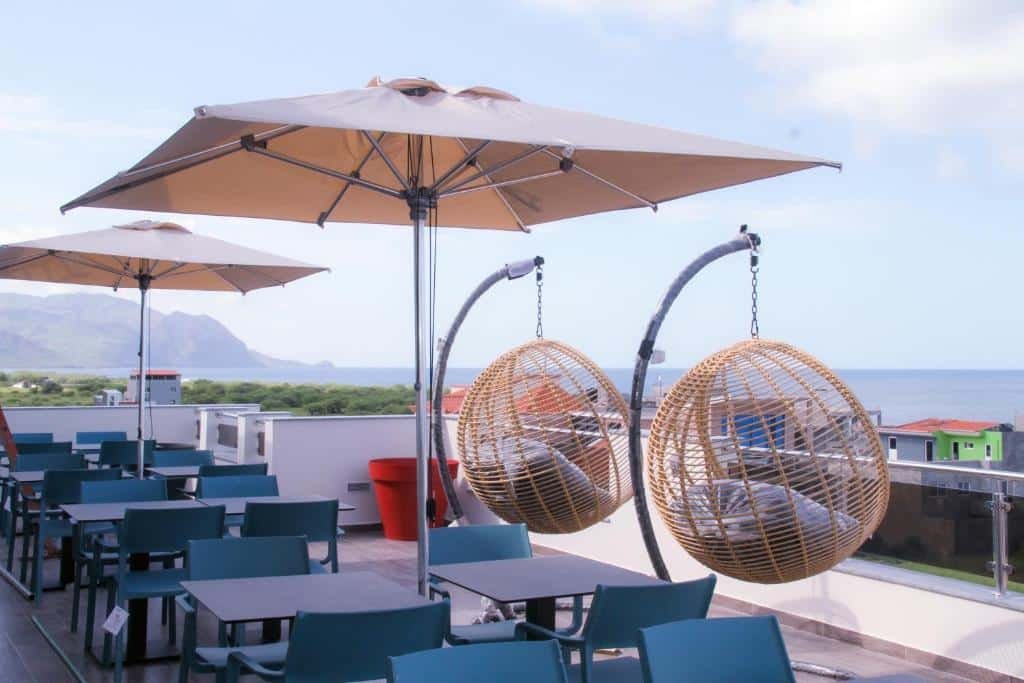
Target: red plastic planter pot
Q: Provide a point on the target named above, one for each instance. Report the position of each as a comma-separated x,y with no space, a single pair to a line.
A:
394,483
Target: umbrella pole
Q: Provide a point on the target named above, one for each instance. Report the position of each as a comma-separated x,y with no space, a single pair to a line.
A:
418,206
143,363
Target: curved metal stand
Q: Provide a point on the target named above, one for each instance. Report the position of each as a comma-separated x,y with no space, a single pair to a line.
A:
744,242
511,271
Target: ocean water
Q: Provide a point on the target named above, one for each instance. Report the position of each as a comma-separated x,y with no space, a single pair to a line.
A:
901,395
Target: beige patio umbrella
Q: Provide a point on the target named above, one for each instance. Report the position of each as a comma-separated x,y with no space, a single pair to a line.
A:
149,255
393,151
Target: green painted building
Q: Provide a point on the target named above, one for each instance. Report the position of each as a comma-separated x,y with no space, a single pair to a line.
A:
938,440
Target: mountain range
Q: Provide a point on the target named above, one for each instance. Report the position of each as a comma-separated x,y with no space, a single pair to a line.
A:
101,331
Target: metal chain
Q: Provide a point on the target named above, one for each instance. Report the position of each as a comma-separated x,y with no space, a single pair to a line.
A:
754,268
540,302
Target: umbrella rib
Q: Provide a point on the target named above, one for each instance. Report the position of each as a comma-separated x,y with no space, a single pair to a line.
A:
646,202
497,167
30,259
213,153
460,164
172,269
387,160
501,183
256,269
226,279
66,256
383,189
324,215
499,193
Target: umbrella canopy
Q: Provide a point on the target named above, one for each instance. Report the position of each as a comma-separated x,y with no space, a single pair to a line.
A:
170,256
393,151
148,254
489,160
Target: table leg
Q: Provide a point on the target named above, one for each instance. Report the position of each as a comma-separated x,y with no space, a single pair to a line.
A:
271,630
138,616
541,612
67,561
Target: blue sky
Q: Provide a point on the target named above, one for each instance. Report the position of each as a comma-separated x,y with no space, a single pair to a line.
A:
908,258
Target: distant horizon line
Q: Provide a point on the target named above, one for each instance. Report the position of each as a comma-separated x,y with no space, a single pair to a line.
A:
317,365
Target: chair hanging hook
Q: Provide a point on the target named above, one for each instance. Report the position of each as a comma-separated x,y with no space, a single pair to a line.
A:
540,301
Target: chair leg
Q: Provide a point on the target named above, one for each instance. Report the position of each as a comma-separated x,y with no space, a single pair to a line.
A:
111,601
90,605
37,564
172,621
76,595
163,611
12,530
26,538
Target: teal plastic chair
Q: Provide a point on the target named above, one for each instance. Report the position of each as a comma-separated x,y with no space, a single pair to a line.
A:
518,662
316,520
60,487
351,646
153,530
482,543
617,613
90,441
125,453
236,558
232,470
237,487
17,501
748,649
92,556
21,439
43,447
180,458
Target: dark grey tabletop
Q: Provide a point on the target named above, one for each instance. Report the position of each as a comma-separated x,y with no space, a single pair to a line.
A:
552,576
28,476
114,512
280,597
172,471
236,506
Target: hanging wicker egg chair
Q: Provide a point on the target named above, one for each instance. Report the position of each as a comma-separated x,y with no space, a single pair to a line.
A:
543,439
764,465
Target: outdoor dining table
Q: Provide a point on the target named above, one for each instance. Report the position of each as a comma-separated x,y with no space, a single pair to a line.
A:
236,601
236,506
138,610
538,581
174,471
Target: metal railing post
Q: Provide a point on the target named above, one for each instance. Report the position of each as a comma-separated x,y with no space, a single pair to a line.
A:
1000,565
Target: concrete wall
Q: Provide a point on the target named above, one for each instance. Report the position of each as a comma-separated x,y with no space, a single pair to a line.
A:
169,423
329,456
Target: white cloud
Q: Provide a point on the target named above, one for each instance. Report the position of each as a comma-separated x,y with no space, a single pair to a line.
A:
916,66
33,114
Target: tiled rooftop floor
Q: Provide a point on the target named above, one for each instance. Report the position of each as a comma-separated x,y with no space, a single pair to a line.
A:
25,655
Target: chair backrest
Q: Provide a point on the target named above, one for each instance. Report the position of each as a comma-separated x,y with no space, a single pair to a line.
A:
538,661
316,520
617,613
32,437
157,530
232,470
27,462
123,490
237,558
478,543
43,447
716,650
236,487
355,646
63,487
83,438
175,458
125,453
